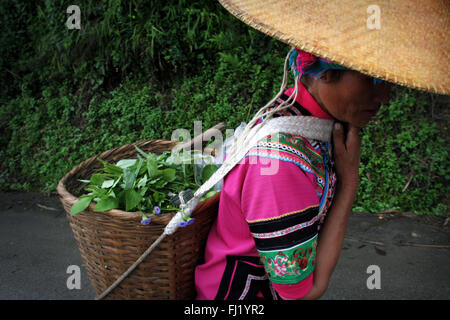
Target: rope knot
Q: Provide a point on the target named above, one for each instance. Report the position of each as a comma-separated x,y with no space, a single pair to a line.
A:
182,203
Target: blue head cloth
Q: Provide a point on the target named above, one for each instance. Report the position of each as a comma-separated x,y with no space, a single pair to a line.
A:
302,62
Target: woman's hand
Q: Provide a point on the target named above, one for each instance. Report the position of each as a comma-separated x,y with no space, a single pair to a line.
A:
347,156
347,151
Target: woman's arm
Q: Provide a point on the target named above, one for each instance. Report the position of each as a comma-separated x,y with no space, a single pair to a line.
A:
331,236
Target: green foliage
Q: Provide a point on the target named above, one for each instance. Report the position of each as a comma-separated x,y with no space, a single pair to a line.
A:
405,161
15,44
138,70
144,183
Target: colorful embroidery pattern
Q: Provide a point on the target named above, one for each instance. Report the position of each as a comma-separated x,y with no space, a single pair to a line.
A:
286,231
287,243
295,149
291,265
248,283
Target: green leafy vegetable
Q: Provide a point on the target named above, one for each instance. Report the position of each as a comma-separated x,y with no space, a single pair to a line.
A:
208,171
107,204
145,183
80,205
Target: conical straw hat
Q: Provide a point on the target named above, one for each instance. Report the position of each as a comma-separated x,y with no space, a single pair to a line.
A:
400,41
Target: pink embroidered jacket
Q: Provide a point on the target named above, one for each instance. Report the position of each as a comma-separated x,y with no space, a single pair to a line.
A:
263,243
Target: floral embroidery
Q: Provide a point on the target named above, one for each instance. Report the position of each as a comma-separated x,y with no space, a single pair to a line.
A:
279,263
291,265
287,244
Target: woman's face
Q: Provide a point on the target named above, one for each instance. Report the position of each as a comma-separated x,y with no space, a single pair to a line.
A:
352,98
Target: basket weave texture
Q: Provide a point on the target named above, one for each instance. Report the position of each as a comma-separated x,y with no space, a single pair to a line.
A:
110,242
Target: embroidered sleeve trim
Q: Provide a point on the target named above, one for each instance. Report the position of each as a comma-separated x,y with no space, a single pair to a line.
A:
290,265
286,230
280,233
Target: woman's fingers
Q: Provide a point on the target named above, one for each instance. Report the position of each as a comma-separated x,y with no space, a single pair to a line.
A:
353,141
347,149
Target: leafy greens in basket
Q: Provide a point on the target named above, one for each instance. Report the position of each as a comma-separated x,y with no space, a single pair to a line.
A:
145,184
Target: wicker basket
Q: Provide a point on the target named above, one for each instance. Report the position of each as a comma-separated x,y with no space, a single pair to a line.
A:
110,242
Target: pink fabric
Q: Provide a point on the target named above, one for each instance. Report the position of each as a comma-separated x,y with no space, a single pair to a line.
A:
303,60
245,190
295,291
268,196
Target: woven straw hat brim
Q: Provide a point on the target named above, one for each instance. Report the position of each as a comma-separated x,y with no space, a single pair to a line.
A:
411,47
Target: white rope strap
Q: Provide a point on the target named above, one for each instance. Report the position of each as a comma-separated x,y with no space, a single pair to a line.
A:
308,127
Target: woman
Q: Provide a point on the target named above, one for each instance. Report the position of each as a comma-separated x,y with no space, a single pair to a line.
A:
279,235
251,203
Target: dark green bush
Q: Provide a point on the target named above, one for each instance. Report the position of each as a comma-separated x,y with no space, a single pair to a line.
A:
405,161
